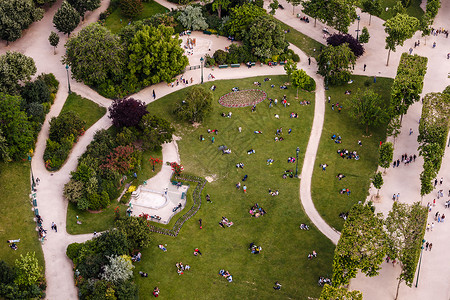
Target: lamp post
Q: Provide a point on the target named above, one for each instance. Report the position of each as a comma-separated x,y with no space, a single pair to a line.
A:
357,30
68,80
201,66
296,166
420,260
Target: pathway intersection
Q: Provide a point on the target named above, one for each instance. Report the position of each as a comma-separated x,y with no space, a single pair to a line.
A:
53,207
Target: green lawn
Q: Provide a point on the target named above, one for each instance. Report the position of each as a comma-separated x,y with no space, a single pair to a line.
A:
88,111
285,247
304,42
325,185
116,20
16,218
413,10
100,221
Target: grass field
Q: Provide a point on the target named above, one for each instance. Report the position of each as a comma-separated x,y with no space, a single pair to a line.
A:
100,221
116,20
285,247
88,111
16,218
325,185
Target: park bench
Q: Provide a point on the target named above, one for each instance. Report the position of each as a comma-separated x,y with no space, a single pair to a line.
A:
235,65
36,212
282,63
207,32
223,66
34,202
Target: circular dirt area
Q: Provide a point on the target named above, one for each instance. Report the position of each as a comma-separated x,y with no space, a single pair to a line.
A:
243,98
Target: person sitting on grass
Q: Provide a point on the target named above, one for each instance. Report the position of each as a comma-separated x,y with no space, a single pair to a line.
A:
269,161
156,292
240,165
162,248
251,151
340,176
304,227
294,115
258,131
197,252
277,286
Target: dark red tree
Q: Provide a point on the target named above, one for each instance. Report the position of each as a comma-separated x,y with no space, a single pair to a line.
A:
127,112
338,39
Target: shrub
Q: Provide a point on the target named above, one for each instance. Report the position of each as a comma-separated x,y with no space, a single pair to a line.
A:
220,57
36,91
127,112
339,39
131,8
73,250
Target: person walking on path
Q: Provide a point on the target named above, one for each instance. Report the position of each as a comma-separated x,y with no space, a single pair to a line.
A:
154,94
430,246
309,61
410,131
365,67
441,181
426,246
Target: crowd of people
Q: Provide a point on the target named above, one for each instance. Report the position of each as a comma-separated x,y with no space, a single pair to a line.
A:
257,211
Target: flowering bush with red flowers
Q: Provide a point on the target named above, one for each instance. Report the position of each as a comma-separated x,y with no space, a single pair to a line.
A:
177,168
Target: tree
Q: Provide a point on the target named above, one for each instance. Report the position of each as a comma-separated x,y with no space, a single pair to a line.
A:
393,128
366,108
377,182
333,293
301,80
265,37
362,245
95,55
15,16
14,69
425,25
28,271
119,269
122,160
432,8
82,6
294,3
339,39
192,18
316,9
136,231
273,7
398,8
426,177
196,106
35,92
399,29
386,154
131,8
67,125
54,40
405,226
290,67
4,151
364,36
155,55
155,131
335,64
127,112
73,190
218,5
15,126
66,18
240,19
335,13
372,7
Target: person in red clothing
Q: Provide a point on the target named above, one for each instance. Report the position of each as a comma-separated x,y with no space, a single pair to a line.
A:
156,292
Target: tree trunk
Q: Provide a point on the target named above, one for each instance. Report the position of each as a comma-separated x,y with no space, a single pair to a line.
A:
297,94
54,50
389,54
219,11
315,22
370,19
398,287
293,7
378,193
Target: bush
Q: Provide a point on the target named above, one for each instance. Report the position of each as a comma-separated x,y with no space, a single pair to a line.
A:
73,250
50,80
196,106
339,39
127,112
220,57
35,91
131,8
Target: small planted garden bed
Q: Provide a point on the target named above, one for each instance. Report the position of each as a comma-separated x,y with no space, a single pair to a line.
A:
243,98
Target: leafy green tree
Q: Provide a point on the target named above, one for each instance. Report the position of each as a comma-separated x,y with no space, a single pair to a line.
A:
53,40
240,19
73,190
192,18
15,126
66,18
36,92
196,106
294,4
155,131
136,231
432,8
399,29
425,25
265,37
316,9
82,6
335,64
301,80
339,293
365,107
273,7
398,8
362,245
120,268
131,8
95,55
405,226
365,36
372,7
15,16
426,177
377,182
341,14
14,69
67,124
218,5
393,128
4,151
155,55
386,154
28,271
446,90
290,67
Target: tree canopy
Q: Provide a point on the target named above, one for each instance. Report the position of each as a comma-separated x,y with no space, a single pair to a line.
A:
155,131
196,106
127,112
372,7
339,293
335,64
377,181
66,18
82,6
192,18
366,108
240,19
339,39
15,68
386,154
53,39
399,29
95,55
338,14
15,16
155,55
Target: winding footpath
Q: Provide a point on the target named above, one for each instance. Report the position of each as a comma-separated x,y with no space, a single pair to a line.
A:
53,207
